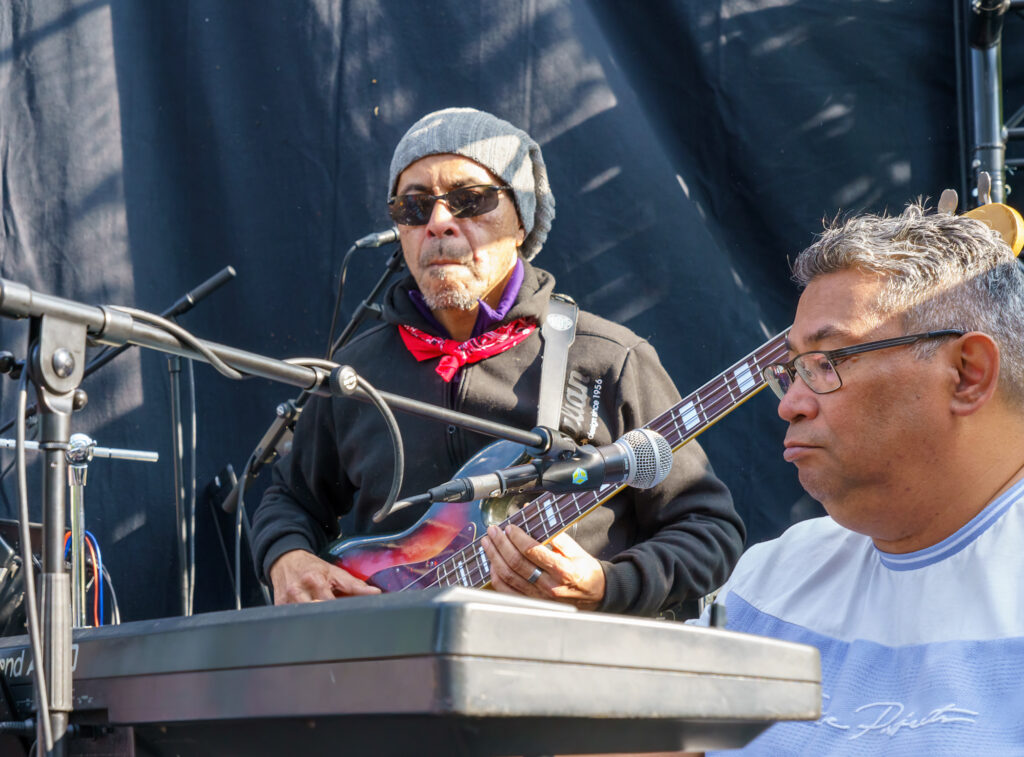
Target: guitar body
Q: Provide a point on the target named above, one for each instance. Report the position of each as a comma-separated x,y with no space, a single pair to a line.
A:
443,548
393,562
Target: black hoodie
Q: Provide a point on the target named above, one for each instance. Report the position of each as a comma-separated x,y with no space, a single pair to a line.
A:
658,547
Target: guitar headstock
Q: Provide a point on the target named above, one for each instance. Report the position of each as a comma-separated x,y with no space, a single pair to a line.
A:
996,215
1003,219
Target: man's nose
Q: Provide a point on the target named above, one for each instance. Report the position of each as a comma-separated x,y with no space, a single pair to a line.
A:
442,223
798,401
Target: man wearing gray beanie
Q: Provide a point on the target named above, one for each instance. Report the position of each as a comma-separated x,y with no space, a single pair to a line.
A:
470,194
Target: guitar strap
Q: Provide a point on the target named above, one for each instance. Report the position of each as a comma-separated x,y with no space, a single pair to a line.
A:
558,333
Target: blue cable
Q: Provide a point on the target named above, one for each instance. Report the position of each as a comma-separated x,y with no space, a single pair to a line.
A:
99,568
99,571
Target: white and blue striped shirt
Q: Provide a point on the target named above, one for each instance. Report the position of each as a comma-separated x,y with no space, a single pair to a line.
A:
921,653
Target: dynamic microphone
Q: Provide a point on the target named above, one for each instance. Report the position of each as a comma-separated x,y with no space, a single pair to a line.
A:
641,459
377,238
188,300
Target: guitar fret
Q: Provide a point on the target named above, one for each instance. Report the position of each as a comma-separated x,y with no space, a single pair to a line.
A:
533,512
674,417
583,502
744,379
548,514
472,569
442,571
689,414
728,389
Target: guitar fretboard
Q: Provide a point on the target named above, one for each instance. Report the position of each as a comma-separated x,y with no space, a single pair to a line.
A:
550,514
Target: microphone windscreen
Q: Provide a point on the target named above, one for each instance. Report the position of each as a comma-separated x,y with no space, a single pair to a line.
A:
651,456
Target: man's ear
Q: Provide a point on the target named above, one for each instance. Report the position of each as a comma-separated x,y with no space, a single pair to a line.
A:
977,372
520,236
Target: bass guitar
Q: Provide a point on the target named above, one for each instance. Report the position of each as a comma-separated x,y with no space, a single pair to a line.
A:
443,548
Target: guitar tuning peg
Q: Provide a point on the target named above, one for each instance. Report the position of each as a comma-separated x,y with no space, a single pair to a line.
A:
948,201
984,188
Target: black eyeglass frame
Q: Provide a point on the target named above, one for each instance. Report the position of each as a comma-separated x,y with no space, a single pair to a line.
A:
843,352
457,213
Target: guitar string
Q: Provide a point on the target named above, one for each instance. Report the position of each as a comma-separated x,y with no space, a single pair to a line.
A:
468,560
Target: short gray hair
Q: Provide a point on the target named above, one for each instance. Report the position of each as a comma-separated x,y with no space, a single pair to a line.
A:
941,272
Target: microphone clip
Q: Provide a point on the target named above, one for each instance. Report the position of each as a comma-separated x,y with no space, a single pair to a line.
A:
555,444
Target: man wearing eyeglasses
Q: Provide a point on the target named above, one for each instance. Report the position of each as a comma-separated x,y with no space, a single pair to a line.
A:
470,195
904,397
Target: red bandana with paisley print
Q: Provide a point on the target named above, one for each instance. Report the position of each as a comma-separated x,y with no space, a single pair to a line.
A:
454,354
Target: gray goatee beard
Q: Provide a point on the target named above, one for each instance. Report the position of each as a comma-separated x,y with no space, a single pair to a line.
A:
449,297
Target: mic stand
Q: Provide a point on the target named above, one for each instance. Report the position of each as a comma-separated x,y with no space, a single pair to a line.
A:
185,534
279,434
288,412
178,460
108,325
367,307
184,303
57,360
58,332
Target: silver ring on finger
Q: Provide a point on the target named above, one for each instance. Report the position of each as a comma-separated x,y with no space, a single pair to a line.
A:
537,573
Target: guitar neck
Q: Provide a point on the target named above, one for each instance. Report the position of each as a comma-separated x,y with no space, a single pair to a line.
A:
720,396
550,514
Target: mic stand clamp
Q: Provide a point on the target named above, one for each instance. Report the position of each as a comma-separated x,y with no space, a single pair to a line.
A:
10,365
279,433
556,445
277,437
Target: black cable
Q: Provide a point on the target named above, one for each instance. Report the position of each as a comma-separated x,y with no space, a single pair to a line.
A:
220,539
337,299
239,515
190,530
398,472
3,492
242,522
183,336
396,443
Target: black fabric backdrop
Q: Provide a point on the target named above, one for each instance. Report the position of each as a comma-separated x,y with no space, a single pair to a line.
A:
692,148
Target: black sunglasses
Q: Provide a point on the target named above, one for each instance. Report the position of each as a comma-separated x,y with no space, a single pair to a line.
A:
464,202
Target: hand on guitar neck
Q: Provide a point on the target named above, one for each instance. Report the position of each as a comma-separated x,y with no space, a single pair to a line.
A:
301,576
567,572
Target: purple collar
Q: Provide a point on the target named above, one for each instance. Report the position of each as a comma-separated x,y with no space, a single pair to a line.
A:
487,316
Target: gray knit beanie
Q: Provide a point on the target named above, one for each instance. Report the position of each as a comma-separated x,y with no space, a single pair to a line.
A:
508,152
